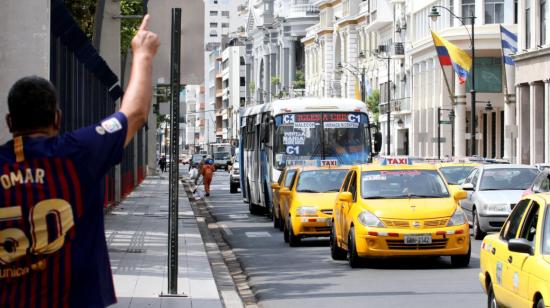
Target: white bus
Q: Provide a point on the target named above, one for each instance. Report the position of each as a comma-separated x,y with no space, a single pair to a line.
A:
300,131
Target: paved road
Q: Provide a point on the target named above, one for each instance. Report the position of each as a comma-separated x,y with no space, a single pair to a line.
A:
306,276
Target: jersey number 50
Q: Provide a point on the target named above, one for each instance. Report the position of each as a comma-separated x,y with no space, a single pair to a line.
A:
14,243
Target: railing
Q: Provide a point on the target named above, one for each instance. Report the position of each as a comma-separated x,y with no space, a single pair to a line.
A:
88,90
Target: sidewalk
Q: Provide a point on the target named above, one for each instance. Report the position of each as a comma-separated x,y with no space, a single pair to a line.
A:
137,239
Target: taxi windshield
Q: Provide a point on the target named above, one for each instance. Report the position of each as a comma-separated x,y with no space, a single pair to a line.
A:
455,174
546,234
321,181
397,184
508,179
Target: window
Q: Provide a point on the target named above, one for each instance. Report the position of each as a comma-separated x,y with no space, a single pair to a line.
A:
225,13
289,181
511,226
546,234
346,181
213,25
353,186
488,75
468,9
529,228
494,11
543,13
242,82
225,25
213,13
242,61
527,24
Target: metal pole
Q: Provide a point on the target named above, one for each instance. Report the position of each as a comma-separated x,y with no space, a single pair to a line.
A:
473,93
363,84
173,212
438,132
388,112
453,137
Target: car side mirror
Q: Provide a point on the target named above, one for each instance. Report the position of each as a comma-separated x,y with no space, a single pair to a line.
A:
284,191
345,196
520,245
460,195
467,186
275,186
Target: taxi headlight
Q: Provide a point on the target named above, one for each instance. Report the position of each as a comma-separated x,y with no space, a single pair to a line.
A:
458,218
306,211
368,219
499,207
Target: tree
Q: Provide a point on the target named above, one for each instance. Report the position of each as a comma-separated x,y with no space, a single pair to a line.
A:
129,27
300,81
373,104
83,12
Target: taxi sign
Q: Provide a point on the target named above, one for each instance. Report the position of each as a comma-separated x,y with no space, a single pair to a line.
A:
329,163
396,160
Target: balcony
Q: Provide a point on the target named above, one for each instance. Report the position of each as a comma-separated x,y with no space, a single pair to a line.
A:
219,93
302,8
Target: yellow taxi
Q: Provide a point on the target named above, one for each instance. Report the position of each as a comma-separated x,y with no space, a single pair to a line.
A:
456,172
396,208
285,180
306,205
515,263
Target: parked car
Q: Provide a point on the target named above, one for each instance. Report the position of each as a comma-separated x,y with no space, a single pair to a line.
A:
540,184
542,167
234,178
196,159
493,191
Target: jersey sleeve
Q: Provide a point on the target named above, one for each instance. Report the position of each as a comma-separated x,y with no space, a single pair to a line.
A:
101,146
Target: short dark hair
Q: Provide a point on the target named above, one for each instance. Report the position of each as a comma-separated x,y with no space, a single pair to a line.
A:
32,103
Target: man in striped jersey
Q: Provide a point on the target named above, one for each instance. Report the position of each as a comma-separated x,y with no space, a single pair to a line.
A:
52,243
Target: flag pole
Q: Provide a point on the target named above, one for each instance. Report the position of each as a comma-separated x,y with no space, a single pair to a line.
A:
451,96
504,76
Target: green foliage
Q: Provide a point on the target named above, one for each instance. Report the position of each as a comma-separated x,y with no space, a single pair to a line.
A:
275,80
129,27
252,86
83,11
373,104
300,82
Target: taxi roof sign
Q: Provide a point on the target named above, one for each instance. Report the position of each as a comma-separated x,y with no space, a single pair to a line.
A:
396,160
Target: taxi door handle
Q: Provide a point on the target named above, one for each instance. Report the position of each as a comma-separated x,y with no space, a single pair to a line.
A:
494,250
510,259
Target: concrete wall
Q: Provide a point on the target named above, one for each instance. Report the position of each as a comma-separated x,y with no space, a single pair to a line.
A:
24,47
192,39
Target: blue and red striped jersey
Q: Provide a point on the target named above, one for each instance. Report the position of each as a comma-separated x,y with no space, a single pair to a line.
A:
53,251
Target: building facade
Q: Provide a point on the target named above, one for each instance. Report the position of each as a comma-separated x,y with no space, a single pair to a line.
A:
532,82
275,54
233,91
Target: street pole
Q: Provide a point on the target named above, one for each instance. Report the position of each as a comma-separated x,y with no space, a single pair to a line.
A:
363,84
453,136
473,92
388,112
173,205
438,132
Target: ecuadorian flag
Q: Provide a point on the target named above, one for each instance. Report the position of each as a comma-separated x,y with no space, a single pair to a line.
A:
450,54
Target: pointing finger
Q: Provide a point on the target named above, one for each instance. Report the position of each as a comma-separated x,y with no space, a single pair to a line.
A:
144,23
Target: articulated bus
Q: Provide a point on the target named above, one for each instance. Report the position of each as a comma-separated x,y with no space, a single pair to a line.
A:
300,131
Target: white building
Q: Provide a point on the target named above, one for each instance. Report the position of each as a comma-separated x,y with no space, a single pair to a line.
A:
192,95
222,18
274,51
233,91
357,37
429,89
533,82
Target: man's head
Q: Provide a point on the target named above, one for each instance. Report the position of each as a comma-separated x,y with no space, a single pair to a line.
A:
32,105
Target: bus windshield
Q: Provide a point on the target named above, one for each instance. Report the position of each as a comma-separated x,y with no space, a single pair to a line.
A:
339,136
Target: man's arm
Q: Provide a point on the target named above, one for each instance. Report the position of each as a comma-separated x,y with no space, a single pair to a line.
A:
137,99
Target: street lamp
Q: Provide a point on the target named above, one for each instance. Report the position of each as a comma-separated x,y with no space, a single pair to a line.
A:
434,14
439,122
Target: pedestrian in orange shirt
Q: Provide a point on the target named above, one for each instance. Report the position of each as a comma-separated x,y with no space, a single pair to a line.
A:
207,173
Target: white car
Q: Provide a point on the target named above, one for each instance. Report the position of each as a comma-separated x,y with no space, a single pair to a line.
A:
234,178
493,191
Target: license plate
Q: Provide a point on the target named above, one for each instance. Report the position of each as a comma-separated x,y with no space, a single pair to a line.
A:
418,239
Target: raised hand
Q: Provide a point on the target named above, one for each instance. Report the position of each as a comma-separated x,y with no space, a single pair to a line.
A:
145,42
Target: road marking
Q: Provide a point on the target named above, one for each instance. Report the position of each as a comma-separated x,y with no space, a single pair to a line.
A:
238,216
226,230
257,234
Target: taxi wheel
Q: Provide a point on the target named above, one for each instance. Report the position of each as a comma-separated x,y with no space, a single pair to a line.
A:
336,252
540,303
281,223
478,233
293,240
462,260
353,258
285,231
491,299
275,219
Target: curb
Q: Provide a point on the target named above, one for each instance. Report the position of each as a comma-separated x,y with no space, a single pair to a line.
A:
231,280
